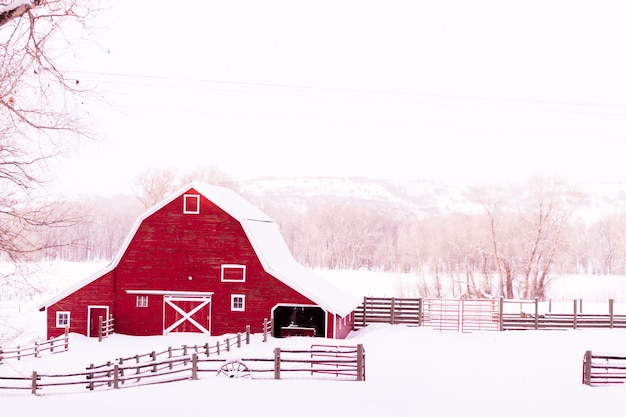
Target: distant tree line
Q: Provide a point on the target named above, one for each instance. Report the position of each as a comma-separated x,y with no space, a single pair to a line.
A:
504,250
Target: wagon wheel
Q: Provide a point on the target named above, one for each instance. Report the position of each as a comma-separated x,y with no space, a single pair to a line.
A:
234,369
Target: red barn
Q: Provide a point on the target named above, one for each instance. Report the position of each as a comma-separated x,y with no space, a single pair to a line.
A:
203,260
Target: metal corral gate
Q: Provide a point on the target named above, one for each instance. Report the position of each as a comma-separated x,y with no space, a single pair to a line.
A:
441,313
480,315
461,315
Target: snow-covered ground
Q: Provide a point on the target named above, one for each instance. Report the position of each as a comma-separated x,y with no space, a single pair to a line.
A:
410,372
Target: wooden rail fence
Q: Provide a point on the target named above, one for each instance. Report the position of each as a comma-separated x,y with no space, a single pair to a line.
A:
388,310
187,362
601,369
57,344
106,327
468,315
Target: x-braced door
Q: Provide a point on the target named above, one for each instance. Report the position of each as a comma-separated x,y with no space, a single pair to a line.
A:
187,314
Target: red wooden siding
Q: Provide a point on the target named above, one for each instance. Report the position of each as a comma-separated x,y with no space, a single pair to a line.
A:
99,292
173,252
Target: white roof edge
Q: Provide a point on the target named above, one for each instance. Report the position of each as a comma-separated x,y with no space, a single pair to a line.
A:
64,293
348,304
111,266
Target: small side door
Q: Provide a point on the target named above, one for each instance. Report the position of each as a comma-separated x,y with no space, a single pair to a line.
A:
94,314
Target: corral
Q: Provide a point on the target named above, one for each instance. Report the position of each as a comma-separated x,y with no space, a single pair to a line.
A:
468,315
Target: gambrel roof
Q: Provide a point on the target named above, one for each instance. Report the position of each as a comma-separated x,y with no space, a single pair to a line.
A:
267,242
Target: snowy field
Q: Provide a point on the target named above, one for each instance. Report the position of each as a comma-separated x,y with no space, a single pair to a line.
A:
410,372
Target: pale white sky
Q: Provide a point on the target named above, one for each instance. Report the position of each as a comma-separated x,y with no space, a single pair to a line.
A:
454,90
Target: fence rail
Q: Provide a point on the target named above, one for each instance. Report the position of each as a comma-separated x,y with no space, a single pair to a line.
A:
106,327
57,344
346,362
389,310
600,369
469,315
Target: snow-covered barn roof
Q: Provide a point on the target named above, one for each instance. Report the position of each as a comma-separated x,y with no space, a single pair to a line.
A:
268,243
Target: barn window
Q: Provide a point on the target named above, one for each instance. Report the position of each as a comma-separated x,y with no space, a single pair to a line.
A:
63,318
191,204
238,302
142,301
233,273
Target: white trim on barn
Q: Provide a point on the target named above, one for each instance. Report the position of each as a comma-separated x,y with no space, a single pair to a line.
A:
175,293
267,242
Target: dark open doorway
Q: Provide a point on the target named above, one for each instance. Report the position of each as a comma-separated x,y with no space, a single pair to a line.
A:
299,321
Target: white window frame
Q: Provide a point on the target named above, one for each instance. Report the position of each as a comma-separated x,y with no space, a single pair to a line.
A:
196,197
235,300
233,266
60,316
142,301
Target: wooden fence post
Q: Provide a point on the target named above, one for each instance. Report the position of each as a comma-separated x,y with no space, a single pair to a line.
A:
218,347
501,313
99,328
580,306
227,345
575,313
90,377
264,330
154,358
550,305
611,313
109,373
67,337
536,313
116,378
33,383
364,311
248,334
587,368
121,362
420,314
207,350
238,340
360,363
194,366
276,363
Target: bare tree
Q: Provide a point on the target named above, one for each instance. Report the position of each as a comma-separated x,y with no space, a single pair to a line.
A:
154,184
41,115
555,205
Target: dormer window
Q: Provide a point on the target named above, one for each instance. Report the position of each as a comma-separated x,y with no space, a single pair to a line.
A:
191,204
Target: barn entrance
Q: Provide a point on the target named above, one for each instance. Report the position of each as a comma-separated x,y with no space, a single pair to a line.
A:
291,320
187,314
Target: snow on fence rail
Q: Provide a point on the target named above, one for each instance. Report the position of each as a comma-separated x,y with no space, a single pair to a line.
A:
602,369
338,360
57,344
468,315
187,362
555,321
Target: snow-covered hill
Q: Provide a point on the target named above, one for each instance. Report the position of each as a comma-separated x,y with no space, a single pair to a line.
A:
419,197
